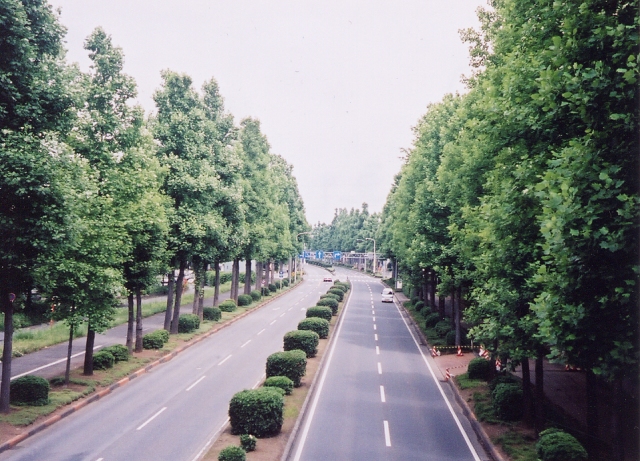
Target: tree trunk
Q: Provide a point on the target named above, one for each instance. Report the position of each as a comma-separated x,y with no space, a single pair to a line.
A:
289,270
424,296
441,305
201,296
196,288
179,289
67,370
130,321
617,421
539,396
453,302
526,392
235,275
138,319
433,290
88,351
233,280
272,272
247,276
456,316
592,414
6,353
168,312
258,276
216,283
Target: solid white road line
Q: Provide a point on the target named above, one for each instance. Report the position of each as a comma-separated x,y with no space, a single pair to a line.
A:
50,364
194,384
210,441
387,436
382,397
150,419
225,359
379,368
245,344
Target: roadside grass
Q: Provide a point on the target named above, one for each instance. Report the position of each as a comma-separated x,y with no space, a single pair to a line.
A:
519,447
82,386
419,319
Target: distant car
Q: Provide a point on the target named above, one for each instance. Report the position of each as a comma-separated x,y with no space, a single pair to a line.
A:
327,279
387,295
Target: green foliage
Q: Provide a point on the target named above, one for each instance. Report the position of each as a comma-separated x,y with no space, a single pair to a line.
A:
285,282
329,295
256,295
120,352
282,382
339,286
303,340
317,324
507,401
155,339
432,320
278,284
103,360
504,378
292,364
248,442
272,288
188,323
338,292
228,305
559,446
443,327
322,312
479,368
244,300
265,291
232,453
328,302
29,390
257,411
212,313
418,306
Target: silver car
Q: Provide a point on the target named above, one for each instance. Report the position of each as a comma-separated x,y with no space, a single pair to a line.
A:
387,295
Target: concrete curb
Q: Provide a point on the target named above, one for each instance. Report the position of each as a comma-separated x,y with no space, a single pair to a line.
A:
94,397
312,388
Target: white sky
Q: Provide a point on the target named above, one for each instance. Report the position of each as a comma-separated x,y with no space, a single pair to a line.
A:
336,84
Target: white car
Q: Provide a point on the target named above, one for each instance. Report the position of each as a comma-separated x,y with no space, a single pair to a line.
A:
327,279
387,295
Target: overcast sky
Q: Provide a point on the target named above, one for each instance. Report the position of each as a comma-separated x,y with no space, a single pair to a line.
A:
336,84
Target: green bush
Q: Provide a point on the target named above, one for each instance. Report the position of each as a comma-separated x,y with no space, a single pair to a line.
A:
507,401
248,442
338,292
418,306
188,323
330,296
304,340
285,282
281,382
103,360
278,284
272,288
119,351
29,390
292,364
479,368
265,291
212,313
322,312
432,320
339,286
228,305
504,378
257,411
330,303
256,295
232,453
414,300
559,446
443,327
320,326
244,300
155,339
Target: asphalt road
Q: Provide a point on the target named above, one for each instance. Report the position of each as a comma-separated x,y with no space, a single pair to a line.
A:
377,398
172,412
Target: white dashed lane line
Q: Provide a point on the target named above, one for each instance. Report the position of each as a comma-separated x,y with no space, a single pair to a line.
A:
383,398
225,359
194,384
150,419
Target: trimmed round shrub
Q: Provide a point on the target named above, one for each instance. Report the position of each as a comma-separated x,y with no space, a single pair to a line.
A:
228,305
244,300
479,368
317,324
329,295
443,327
556,445
338,292
257,411
507,401
119,351
232,453
304,340
292,364
432,320
188,323
281,382
414,300
248,442
212,313
272,288
29,390
265,291
256,295
278,284
322,312
504,378
330,303
155,339
418,306
285,282
340,287
103,360
450,338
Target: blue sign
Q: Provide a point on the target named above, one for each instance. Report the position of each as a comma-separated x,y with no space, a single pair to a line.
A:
319,254
337,254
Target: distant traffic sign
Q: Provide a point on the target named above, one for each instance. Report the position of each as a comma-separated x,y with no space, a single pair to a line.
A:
319,254
337,254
